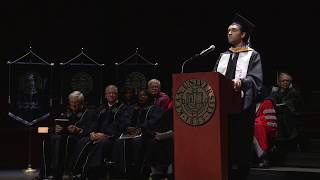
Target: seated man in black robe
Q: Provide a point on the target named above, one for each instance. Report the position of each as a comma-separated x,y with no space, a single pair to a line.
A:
142,119
93,150
288,102
74,123
288,106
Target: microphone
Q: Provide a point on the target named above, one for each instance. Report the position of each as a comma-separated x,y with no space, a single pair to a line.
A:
202,53
206,51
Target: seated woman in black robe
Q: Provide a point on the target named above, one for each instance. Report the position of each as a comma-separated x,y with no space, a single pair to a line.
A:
160,148
128,96
142,119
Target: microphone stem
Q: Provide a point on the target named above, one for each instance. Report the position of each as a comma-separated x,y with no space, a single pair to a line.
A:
194,56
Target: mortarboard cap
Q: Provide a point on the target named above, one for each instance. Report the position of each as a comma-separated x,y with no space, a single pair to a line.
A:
246,25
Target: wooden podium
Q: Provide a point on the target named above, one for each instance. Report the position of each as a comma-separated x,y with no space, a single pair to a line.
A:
202,102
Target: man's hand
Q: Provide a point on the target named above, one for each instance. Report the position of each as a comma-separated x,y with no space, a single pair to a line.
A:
162,136
133,131
97,136
74,129
236,84
92,136
58,129
100,136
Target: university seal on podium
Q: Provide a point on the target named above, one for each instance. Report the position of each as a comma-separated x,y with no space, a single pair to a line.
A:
195,102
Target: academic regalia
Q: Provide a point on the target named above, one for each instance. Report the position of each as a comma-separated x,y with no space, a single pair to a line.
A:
110,119
242,63
163,101
265,126
131,101
288,112
91,155
58,148
248,68
148,119
160,148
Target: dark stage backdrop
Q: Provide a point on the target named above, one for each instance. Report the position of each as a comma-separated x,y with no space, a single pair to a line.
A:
165,32
134,72
81,73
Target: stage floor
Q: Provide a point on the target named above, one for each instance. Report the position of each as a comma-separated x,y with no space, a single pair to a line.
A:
275,173
283,173
17,175
289,169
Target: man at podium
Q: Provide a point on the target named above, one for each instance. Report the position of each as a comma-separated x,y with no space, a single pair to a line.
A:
241,64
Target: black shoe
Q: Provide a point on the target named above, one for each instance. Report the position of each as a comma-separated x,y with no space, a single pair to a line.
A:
156,176
67,177
264,163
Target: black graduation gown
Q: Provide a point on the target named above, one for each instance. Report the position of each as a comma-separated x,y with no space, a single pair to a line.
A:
91,156
58,149
241,125
146,118
160,152
289,113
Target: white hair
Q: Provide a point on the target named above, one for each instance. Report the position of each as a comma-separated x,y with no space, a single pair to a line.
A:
154,81
112,87
285,74
77,94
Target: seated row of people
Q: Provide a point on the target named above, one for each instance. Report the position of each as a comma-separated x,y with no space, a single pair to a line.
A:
91,137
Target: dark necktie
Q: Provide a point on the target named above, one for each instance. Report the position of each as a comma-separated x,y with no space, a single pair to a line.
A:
232,64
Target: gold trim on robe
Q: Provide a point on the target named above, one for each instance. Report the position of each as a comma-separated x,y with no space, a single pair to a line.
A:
240,49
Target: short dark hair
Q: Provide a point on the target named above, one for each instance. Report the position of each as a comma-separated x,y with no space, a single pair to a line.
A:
243,30
148,94
244,25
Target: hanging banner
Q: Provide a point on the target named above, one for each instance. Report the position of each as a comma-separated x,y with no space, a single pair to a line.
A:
81,73
29,89
135,72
